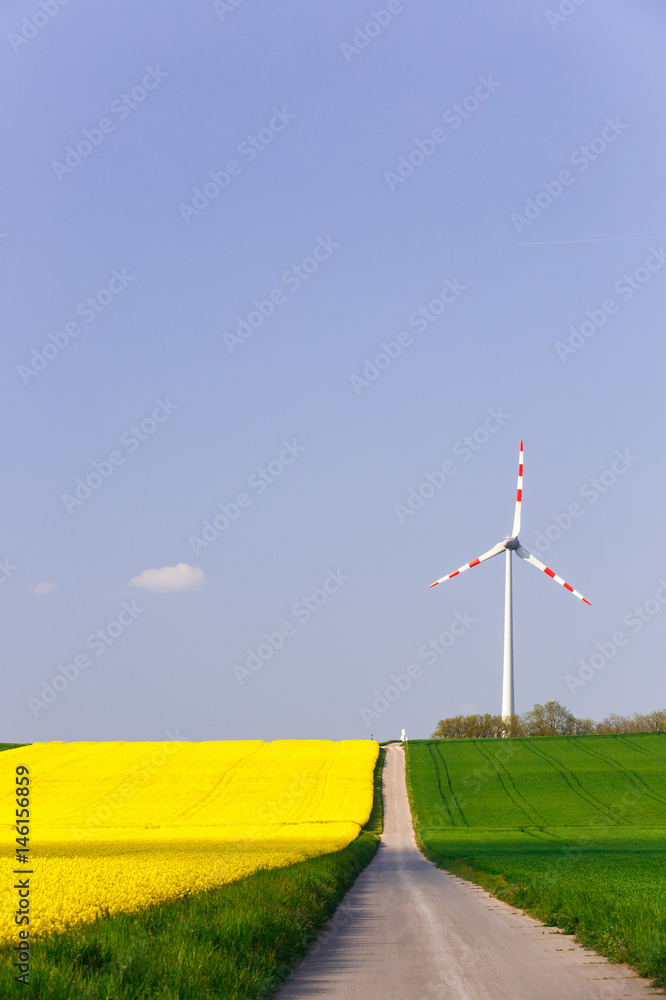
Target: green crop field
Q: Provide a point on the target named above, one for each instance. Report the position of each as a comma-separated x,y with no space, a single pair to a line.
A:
572,828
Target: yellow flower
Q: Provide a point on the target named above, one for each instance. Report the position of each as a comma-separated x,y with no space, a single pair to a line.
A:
116,826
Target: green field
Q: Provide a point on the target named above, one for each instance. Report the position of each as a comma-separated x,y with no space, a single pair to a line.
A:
571,828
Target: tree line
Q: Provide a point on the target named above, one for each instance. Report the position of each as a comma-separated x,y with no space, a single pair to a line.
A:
551,719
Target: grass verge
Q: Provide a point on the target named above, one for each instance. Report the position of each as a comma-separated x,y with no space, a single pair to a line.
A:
238,942
375,822
610,902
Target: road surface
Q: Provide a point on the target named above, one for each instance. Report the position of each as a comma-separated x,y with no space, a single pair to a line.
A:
408,931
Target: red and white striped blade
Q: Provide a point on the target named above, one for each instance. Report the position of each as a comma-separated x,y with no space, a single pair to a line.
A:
524,554
495,551
519,497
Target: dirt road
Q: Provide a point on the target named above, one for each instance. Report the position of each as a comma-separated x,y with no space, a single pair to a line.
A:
408,931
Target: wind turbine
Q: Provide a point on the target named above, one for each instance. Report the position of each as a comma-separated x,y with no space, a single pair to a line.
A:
510,545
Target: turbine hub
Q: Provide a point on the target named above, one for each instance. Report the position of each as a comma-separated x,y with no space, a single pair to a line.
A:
511,543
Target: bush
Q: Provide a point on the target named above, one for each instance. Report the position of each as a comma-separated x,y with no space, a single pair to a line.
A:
551,719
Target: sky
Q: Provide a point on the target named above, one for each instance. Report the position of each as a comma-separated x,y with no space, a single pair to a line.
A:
284,288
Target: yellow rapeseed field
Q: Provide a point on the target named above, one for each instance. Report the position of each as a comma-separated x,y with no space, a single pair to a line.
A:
116,826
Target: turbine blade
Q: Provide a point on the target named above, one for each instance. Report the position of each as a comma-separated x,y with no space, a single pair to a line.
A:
495,551
519,496
524,554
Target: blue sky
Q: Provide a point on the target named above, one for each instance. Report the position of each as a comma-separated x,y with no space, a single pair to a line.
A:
274,267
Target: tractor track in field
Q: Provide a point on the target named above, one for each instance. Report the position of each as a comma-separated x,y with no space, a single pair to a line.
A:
448,779
621,739
439,785
408,931
640,782
578,788
516,796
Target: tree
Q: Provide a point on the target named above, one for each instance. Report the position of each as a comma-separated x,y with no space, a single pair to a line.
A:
584,727
476,727
652,722
551,719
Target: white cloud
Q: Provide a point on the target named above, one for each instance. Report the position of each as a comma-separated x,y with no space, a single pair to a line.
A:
180,577
43,588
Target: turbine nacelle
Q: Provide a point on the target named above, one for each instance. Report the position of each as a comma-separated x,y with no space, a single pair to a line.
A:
511,543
